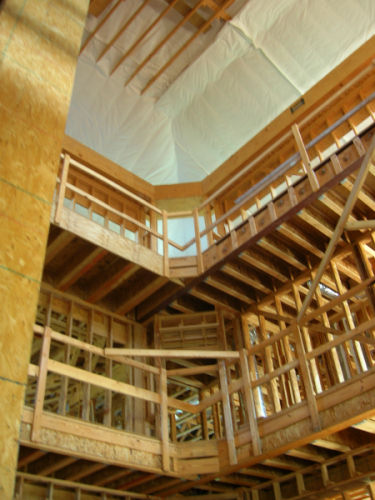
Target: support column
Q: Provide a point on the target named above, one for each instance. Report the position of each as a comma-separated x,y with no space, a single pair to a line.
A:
39,44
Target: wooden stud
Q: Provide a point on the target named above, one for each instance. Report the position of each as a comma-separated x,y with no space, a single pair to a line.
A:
164,419
249,402
107,418
62,188
305,158
305,374
165,244
41,384
227,413
67,353
200,265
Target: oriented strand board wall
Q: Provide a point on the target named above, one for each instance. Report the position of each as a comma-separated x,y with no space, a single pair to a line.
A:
39,43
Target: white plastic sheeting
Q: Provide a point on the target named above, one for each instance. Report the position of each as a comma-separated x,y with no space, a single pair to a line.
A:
260,62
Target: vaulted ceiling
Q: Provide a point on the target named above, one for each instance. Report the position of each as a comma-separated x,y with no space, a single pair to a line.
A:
171,89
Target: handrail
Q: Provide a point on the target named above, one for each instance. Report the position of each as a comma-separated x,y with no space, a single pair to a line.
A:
244,199
282,169
114,185
84,486
248,167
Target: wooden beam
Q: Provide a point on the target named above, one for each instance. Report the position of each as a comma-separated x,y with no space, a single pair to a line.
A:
169,353
216,14
250,404
57,245
164,40
62,188
164,419
228,423
142,295
360,224
105,287
83,486
143,35
108,168
122,30
102,22
81,268
41,384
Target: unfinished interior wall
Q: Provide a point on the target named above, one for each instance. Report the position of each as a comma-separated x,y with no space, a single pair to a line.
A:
39,43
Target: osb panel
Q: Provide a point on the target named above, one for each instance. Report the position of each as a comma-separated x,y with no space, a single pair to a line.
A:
16,323
11,402
8,20
24,226
92,449
28,113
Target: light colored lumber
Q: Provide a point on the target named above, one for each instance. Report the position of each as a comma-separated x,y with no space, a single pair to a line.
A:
62,188
165,353
164,419
83,486
101,381
41,385
228,423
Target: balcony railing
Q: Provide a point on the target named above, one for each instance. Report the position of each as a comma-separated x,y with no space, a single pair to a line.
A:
116,208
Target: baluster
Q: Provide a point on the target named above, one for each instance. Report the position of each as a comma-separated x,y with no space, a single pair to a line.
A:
62,188
41,384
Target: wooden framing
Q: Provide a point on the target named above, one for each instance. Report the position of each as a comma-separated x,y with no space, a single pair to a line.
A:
260,359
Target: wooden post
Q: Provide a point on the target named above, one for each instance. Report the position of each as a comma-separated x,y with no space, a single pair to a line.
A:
305,158
88,366
333,352
269,365
107,418
249,402
348,316
305,374
252,366
306,337
18,493
288,353
277,491
62,188
300,483
204,419
165,244
164,419
227,413
67,348
208,222
371,489
50,492
154,227
200,267
41,384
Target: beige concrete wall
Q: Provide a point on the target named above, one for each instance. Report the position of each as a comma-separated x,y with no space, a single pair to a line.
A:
39,44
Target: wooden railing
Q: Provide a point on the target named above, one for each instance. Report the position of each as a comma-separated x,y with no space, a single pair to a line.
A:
118,209
89,369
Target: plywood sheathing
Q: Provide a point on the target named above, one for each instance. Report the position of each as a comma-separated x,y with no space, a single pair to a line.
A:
39,43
